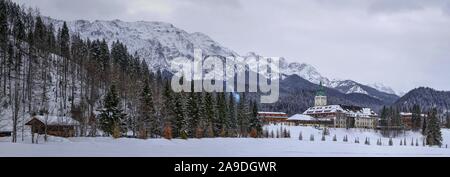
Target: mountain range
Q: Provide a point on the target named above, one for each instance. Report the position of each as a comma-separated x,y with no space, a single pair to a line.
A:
159,42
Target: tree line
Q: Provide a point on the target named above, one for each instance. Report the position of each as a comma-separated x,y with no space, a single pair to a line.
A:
426,122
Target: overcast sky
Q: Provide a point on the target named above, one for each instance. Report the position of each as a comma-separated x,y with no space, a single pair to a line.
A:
401,43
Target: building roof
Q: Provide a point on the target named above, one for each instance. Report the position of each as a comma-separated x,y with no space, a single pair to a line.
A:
410,114
302,117
56,120
271,113
324,109
353,111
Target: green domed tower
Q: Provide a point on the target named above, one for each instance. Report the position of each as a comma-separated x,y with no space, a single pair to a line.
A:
321,98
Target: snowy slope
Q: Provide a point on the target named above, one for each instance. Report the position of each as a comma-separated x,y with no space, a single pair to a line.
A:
230,147
384,88
156,42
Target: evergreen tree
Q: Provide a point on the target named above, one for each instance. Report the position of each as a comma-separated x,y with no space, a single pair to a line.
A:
193,110
255,123
416,117
433,130
232,114
180,127
242,115
222,123
209,112
111,115
147,121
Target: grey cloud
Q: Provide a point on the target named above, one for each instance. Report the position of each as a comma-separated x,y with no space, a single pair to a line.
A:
393,6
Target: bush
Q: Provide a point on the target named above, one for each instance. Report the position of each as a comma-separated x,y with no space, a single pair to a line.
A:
183,135
116,132
199,132
254,133
167,132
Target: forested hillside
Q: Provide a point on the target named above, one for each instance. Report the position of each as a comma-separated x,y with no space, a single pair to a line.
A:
48,71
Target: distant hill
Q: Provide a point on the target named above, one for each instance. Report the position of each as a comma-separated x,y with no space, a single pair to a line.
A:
426,98
297,94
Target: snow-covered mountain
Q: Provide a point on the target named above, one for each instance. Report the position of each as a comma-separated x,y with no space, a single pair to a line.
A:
158,43
384,88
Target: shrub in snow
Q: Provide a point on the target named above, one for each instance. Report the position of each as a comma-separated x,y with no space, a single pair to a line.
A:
167,133
412,141
116,132
323,137
210,132
334,138
311,138
183,135
199,132
404,142
401,143
254,133
272,135
300,137
390,142
417,142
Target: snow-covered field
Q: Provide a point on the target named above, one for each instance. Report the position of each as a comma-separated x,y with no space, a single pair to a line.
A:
234,147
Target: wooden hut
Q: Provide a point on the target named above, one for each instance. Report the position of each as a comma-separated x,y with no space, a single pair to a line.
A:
53,125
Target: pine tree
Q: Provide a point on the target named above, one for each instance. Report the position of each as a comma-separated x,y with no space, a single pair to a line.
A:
242,115
300,137
209,112
193,110
180,127
111,115
433,130
222,123
416,117
255,123
147,119
232,114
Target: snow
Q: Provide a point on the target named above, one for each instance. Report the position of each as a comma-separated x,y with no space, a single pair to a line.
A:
271,113
383,88
301,117
57,120
357,89
229,147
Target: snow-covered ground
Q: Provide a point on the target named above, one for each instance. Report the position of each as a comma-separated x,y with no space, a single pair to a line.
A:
226,147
